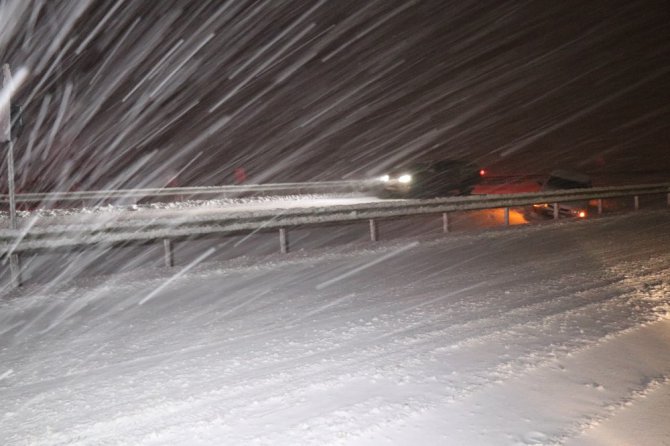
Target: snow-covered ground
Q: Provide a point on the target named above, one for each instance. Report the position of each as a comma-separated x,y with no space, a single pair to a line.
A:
177,209
540,334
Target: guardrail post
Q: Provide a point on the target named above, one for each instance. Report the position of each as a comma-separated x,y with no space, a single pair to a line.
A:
506,216
169,253
555,211
445,222
636,201
283,240
15,270
600,206
374,230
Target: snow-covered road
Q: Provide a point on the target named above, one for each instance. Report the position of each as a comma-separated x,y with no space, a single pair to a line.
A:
548,334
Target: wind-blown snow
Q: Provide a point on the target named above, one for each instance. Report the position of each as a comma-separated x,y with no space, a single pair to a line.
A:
550,334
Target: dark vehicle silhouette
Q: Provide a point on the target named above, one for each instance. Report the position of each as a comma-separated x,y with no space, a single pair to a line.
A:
428,179
563,180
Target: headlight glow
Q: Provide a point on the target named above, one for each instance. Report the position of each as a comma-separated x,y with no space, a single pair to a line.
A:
406,178
384,178
582,214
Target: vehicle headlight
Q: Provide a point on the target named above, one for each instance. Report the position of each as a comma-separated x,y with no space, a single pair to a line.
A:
405,178
384,178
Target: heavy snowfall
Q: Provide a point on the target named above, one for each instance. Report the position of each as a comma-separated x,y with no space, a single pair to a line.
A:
539,332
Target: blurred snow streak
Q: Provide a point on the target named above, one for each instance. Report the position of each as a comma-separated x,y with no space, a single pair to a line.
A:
131,93
128,93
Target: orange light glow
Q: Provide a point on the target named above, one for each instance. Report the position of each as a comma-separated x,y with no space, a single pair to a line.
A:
582,214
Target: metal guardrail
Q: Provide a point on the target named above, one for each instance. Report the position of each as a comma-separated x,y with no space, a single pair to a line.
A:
138,229
208,191
187,225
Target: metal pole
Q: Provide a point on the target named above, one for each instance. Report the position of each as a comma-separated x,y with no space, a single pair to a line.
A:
636,201
14,261
555,211
11,185
506,215
15,270
6,136
283,240
669,199
445,222
374,231
169,253
600,206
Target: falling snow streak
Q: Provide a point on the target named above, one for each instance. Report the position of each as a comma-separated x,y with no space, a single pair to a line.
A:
315,90
343,339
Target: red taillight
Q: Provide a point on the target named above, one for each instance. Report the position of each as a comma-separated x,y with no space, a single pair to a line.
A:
482,173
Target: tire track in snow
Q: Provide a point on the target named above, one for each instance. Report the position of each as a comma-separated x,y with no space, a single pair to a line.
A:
512,376
491,318
365,357
280,333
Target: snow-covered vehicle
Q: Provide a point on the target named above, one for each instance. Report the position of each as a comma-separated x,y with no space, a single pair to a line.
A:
561,180
427,179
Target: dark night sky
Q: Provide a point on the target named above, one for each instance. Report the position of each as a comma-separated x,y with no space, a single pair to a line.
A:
124,93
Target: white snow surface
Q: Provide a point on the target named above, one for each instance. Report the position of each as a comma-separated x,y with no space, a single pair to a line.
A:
176,209
548,334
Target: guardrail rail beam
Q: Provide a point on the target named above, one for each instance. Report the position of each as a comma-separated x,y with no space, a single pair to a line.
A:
143,229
